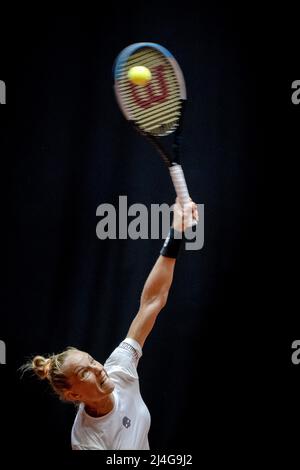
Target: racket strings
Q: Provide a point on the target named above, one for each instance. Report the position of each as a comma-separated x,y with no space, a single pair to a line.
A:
156,107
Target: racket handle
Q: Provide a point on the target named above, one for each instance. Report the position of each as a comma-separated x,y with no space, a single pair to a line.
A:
181,189
180,186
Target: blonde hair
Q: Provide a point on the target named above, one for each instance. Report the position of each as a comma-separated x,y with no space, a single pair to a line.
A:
51,368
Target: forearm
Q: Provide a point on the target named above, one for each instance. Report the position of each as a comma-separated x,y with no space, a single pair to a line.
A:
159,280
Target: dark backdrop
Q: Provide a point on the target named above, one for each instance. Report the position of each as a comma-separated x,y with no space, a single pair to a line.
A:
67,149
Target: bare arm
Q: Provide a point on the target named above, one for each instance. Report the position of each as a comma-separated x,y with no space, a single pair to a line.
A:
156,289
153,299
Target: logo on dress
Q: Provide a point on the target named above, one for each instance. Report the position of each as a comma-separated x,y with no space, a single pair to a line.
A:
126,422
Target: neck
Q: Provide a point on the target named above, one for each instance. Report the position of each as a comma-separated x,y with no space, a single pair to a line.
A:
101,407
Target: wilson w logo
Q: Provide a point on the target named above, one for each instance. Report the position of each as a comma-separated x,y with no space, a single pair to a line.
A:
155,95
2,92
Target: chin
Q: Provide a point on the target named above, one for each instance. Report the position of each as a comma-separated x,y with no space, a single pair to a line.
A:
111,387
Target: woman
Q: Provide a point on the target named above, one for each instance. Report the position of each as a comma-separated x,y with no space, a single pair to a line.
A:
111,413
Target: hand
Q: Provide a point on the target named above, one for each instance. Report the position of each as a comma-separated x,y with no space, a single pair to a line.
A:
184,217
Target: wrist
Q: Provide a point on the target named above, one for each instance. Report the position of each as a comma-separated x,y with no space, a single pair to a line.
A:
172,244
178,227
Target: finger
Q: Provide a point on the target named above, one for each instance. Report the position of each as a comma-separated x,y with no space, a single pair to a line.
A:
195,212
195,207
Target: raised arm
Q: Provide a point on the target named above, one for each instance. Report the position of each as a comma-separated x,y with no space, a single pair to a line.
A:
156,289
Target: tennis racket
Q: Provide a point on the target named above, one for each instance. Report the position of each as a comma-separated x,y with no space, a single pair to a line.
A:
156,109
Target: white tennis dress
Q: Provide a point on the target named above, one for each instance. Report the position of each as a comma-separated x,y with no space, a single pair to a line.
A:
127,425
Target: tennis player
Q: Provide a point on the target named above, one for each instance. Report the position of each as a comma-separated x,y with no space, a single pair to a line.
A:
111,413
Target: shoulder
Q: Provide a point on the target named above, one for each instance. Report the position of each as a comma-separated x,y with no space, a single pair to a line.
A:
125,357
132,347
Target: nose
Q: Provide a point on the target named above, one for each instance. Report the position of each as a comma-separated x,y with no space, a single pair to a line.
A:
97,369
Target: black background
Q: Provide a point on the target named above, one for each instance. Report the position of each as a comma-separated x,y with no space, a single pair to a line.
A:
216,372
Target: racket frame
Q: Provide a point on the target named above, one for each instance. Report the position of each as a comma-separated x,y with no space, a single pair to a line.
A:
173,164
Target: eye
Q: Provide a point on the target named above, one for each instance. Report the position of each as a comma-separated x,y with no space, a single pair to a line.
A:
84,374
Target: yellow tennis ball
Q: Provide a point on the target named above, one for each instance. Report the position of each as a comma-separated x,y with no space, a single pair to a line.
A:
139,75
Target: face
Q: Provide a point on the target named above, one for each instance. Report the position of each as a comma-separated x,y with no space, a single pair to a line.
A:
88,378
